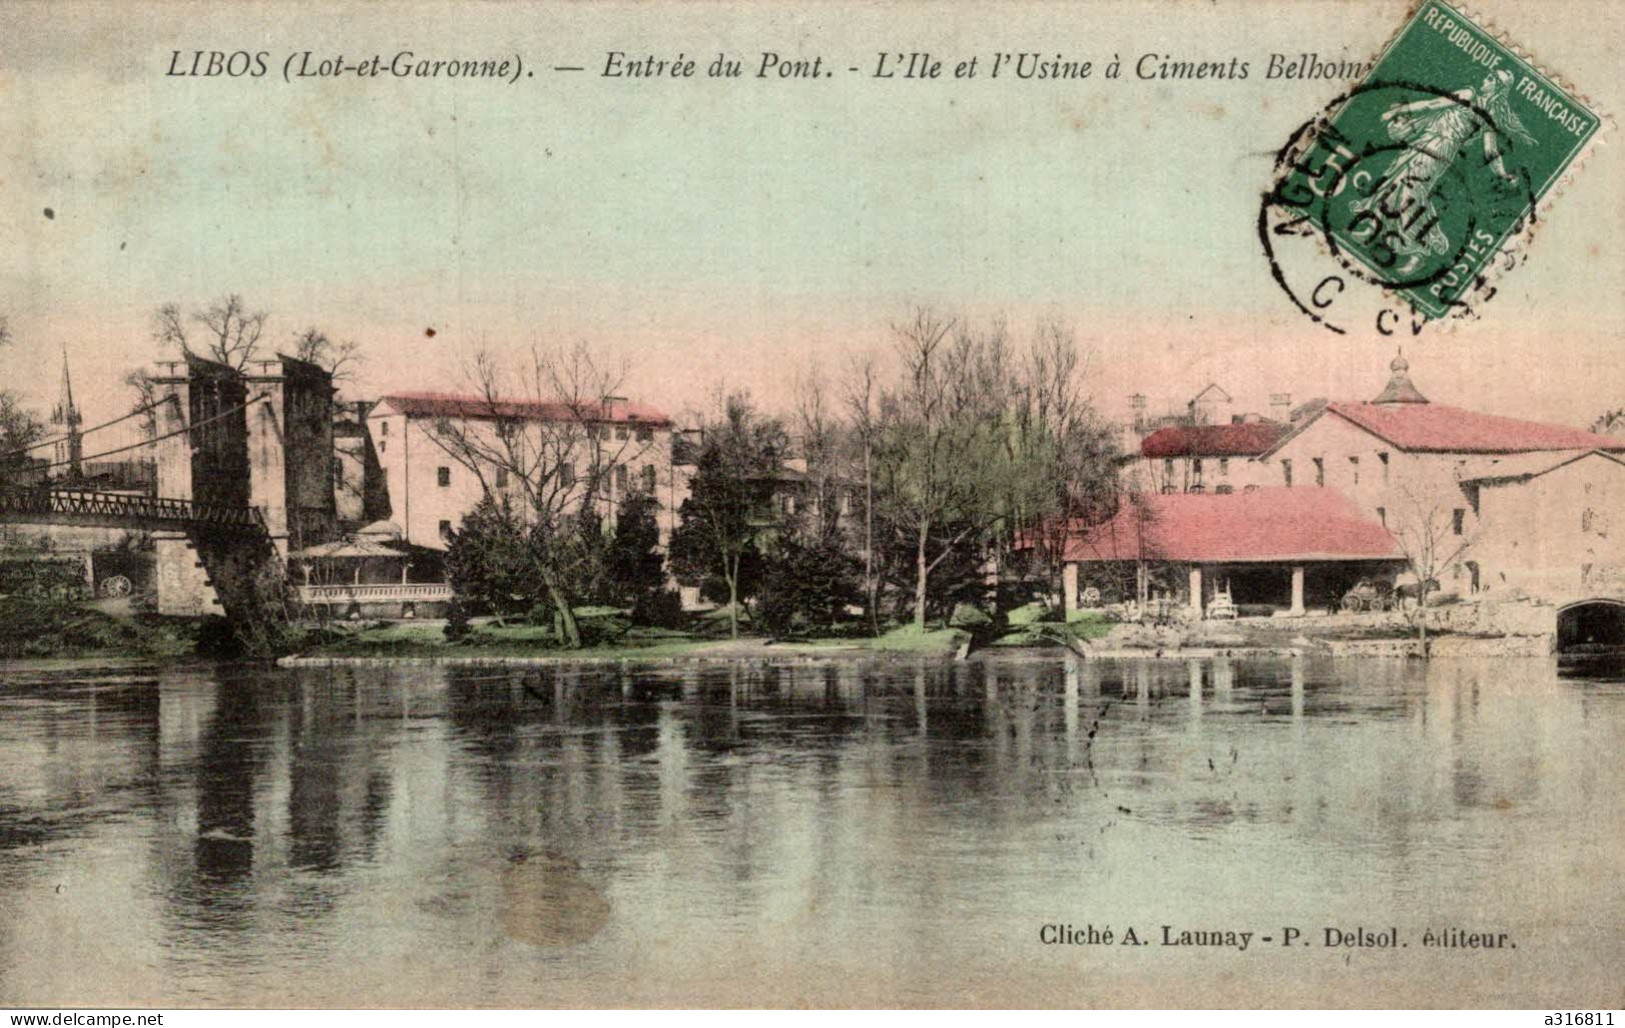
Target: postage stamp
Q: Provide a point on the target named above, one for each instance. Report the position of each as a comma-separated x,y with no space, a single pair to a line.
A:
1442,155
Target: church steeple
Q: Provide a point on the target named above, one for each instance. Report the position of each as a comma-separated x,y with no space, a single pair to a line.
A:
1400,389
70,451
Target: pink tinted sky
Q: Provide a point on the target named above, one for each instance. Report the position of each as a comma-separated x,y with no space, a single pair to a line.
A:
735,235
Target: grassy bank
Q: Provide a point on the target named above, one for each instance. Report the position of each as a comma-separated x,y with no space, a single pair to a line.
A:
427,640
47,628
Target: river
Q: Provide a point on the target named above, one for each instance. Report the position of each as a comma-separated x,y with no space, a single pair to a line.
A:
811,832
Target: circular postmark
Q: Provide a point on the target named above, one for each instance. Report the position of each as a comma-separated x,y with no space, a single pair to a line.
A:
1399,185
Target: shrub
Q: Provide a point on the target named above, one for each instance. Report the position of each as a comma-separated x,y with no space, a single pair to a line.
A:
969,617
662,608
457,624
602,629
807,586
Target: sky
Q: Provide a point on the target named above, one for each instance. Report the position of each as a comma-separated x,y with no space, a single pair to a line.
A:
737,233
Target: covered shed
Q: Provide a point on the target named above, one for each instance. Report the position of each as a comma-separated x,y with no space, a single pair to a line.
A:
1269,546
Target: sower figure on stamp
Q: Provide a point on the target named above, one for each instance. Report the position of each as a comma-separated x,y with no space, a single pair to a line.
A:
1436,132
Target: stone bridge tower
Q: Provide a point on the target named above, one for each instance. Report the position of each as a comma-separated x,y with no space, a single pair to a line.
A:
262,438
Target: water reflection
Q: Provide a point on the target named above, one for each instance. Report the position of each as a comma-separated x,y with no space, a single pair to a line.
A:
536,836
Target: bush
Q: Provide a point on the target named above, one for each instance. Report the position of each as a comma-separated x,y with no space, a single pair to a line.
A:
602,629
661,608
807,587
968,617
457,625
48,627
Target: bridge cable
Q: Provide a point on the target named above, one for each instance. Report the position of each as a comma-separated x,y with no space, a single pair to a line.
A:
84,431
149,442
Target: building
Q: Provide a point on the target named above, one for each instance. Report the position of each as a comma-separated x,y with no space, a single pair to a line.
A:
359,495
1408,463
1207,458
1292,549
437,455
1547,523
1207,445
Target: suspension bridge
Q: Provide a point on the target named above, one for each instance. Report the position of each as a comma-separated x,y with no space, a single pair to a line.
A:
206,468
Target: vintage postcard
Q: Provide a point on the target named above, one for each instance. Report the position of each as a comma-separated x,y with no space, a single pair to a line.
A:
849,504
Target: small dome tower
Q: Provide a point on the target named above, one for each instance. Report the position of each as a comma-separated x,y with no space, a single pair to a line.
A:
1400,389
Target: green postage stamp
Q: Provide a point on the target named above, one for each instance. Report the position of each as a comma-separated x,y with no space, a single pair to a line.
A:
1442,156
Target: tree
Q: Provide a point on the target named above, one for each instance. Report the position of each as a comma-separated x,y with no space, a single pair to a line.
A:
226,331
20,429
336,358
547,436
633,566
1068,459
486,558
859,395
1431,537
807,584
943,467
729,506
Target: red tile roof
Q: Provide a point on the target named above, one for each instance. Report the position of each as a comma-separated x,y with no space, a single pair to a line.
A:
1436,428
446,405
1247,439
1273,524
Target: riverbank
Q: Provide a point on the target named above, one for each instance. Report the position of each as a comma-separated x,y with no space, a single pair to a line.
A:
51,629
522,646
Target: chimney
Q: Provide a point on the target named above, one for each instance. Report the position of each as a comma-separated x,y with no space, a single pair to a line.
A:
1281,407
1136,404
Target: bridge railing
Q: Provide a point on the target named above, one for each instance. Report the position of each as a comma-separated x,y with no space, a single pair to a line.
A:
126,506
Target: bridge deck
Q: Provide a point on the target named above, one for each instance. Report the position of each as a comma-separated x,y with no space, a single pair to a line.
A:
123,510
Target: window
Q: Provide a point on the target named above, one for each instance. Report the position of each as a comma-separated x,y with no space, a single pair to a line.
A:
1224,467
1320,470
622,433
620,478
1382,516
383,446
1383,457
645,434
1168,468
567,474
1458,521
1354,466
1286,473
442,476
1224,490
1196,470
649,478
445,529
502,478
383,428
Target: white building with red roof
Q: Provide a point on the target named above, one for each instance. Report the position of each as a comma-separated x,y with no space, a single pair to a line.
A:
432,482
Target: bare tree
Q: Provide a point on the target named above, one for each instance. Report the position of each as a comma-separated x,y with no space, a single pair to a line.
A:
943,464
860,392
337,358
20,429
1432,538
546,435
1063,449
226,331
821,442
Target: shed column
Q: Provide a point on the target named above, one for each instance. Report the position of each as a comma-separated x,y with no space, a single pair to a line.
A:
1297,589
1196,590
1069,587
